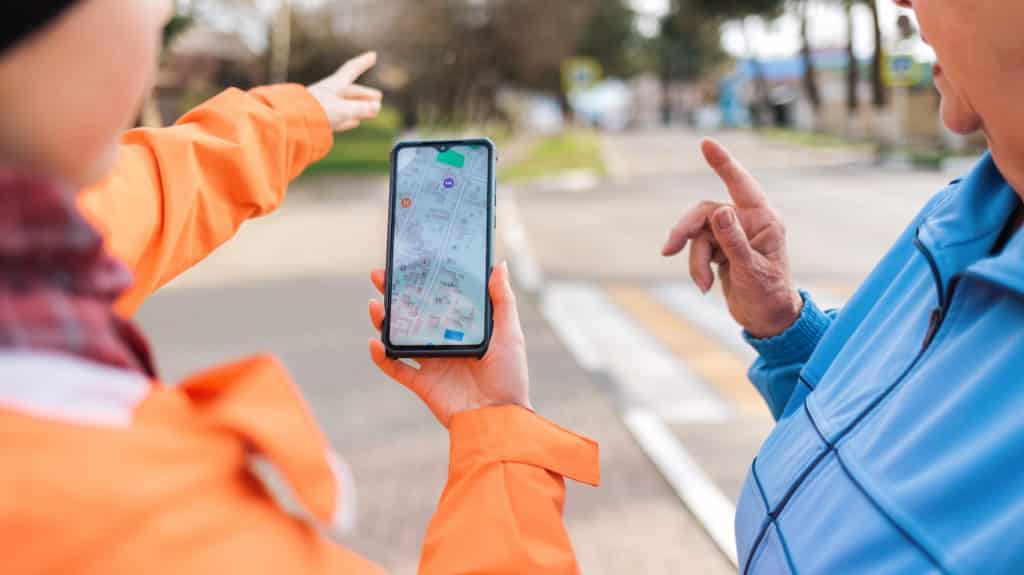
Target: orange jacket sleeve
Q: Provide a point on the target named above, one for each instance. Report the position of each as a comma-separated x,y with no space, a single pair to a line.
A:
179,192
501,511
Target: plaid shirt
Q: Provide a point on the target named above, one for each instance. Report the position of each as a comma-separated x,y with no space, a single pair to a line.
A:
57,283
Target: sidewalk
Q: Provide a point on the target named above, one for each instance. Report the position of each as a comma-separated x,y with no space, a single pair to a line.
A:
296,284
669,152
841,211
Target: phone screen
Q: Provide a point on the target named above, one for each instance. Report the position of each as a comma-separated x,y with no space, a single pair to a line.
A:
440,254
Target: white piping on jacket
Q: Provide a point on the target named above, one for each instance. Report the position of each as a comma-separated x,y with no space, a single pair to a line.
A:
343,519
69,389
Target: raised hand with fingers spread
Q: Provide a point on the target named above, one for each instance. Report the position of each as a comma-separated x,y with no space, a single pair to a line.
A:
346,103
747,240
452,385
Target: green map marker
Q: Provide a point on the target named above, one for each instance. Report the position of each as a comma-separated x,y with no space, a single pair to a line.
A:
452,158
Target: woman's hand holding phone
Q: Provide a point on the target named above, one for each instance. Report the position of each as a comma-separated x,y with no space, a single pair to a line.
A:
452,385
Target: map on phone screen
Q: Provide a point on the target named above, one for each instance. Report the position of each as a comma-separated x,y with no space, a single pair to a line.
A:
439,251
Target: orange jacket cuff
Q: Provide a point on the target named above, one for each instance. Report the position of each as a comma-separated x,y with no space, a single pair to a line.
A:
303,112
515,435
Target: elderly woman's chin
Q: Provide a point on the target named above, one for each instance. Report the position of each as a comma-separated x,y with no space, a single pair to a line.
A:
959,117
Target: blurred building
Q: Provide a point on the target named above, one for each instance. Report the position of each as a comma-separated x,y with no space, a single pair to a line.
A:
362,21
607,105
199,63
646,95
910,117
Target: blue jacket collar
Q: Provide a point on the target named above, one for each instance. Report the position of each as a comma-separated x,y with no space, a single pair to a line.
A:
962,230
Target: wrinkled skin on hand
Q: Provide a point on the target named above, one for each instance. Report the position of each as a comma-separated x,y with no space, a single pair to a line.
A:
747,241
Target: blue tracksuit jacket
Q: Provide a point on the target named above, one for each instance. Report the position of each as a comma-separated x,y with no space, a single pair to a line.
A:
899,446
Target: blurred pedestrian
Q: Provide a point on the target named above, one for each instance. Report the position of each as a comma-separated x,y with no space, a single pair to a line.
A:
900,417
104,469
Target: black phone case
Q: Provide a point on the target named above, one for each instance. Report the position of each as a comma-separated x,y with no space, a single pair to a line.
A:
477,351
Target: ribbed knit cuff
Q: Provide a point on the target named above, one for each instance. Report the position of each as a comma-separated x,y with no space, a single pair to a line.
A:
796,344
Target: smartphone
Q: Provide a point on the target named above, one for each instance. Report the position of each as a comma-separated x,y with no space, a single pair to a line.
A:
441,222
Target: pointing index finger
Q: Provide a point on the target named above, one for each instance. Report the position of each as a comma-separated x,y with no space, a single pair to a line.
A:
355,68
743,188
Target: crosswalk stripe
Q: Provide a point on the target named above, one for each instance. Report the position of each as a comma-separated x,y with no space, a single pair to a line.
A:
692,485
707,314
573,312
709,360
562,316
524,267
658,389
602,337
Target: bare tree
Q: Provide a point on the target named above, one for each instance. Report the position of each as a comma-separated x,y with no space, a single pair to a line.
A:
810,70
280,42
149,114
457,53
879,90
853,69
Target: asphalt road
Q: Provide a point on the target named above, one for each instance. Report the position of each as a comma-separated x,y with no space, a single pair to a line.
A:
620,344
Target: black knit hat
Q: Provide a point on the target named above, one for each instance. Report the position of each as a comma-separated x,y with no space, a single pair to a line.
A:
27,16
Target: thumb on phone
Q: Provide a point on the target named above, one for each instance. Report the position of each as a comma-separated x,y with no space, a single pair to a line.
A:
506,312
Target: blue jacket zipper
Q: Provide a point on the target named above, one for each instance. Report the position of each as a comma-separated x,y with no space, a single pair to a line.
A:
945,297
935,322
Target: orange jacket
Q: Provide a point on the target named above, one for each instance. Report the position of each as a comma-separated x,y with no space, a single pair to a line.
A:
107,472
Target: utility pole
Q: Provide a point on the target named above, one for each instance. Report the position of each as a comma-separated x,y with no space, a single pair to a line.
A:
281,43
810,71
879,91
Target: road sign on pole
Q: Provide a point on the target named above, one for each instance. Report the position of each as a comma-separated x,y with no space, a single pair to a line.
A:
902,70
579,74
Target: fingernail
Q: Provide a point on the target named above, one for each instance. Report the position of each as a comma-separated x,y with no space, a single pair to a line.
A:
724,219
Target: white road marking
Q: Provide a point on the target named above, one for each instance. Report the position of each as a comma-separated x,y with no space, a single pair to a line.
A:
523,266
656,385
573,181
602,336
707,313
696,490
710,315
562,319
